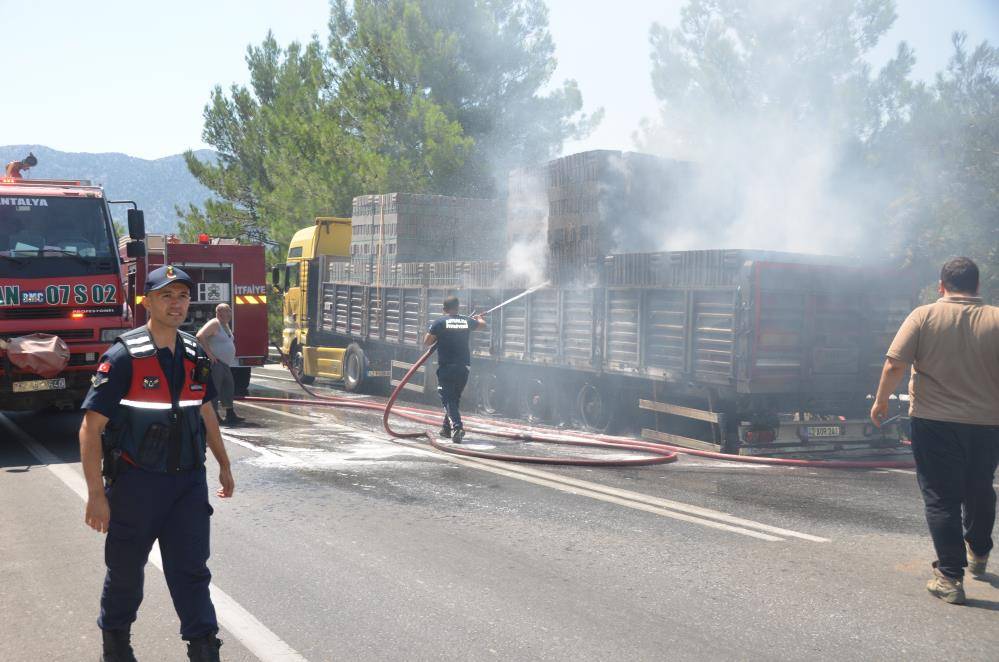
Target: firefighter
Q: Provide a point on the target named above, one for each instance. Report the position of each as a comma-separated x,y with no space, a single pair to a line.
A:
451,333
149,413
14,168
953,348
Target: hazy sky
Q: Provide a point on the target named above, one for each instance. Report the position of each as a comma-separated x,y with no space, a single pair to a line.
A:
133,77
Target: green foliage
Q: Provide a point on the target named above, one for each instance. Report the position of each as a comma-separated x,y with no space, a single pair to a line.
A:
406,95
949,201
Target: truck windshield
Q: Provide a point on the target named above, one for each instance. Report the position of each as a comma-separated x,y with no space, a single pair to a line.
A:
43,230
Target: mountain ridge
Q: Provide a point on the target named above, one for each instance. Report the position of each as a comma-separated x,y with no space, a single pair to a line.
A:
157,185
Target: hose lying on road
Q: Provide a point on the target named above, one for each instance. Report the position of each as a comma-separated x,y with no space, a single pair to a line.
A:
662,453
653,453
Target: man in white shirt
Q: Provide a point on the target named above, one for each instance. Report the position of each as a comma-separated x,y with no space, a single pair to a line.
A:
217,339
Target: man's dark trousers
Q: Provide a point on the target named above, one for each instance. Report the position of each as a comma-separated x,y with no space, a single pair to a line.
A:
955,466
172,508
451,380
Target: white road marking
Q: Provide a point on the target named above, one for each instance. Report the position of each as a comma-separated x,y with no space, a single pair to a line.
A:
665,507
253,634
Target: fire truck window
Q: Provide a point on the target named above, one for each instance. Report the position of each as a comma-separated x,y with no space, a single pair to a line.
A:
26,243
77,245
50,227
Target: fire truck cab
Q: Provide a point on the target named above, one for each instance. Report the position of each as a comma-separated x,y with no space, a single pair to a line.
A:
224,271
60,276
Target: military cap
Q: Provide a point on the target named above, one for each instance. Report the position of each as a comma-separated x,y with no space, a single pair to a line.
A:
167,275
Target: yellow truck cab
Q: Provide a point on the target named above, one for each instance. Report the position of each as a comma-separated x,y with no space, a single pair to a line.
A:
310,248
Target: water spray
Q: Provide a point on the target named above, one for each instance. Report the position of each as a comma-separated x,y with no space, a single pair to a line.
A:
514,298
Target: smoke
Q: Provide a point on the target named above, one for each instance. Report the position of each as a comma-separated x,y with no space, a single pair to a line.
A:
764,183
527,226
773,136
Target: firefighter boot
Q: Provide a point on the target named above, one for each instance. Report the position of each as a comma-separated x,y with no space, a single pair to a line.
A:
117,647
949,590
976,563
204,649
458,435
446,428
231,418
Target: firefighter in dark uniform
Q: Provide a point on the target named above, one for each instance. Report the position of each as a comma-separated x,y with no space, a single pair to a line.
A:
149,417
451,333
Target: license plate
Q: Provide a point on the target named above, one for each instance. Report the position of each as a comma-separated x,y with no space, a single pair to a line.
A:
40,385
824,431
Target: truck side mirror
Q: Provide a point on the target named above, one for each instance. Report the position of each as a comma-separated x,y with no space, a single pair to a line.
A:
136,224
276,276
135,248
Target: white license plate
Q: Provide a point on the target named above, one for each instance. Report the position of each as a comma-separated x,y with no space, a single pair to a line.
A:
40,385
824,431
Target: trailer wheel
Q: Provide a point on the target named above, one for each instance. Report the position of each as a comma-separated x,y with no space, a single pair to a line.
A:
298,367
538,400
491,397
355,368
596,407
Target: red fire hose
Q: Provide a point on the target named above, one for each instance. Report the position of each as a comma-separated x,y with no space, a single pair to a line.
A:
662,453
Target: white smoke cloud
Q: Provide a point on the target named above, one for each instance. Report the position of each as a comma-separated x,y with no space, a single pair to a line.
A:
527,227
779,173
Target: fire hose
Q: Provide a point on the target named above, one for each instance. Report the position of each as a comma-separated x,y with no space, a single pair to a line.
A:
660,453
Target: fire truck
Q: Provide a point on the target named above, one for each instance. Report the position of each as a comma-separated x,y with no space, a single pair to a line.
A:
224,271
60,287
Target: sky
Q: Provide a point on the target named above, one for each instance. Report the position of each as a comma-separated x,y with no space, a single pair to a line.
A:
133,77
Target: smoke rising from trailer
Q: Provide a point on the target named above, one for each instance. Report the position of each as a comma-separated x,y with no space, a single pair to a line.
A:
527,226
775,134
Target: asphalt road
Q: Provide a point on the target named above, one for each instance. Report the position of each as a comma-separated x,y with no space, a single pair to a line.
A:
342,545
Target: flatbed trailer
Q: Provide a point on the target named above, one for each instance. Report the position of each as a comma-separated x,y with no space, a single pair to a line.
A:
734,350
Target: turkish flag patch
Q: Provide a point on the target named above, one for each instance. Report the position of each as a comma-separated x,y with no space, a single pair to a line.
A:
104,368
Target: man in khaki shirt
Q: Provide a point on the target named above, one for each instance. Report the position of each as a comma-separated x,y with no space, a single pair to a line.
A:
953,347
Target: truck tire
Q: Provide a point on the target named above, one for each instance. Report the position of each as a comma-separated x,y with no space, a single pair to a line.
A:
491,396
240,381
298,367
539,400
355,368
597,407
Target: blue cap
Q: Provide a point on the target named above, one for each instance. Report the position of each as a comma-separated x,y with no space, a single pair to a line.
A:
163,276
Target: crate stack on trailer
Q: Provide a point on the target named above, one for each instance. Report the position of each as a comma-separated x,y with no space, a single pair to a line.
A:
593,204
399,228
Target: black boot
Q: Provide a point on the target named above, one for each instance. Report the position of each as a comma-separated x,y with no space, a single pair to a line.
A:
117,647
204,649
231,418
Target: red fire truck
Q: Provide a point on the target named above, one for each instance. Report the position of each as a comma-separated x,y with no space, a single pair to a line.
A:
224,271
60,277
